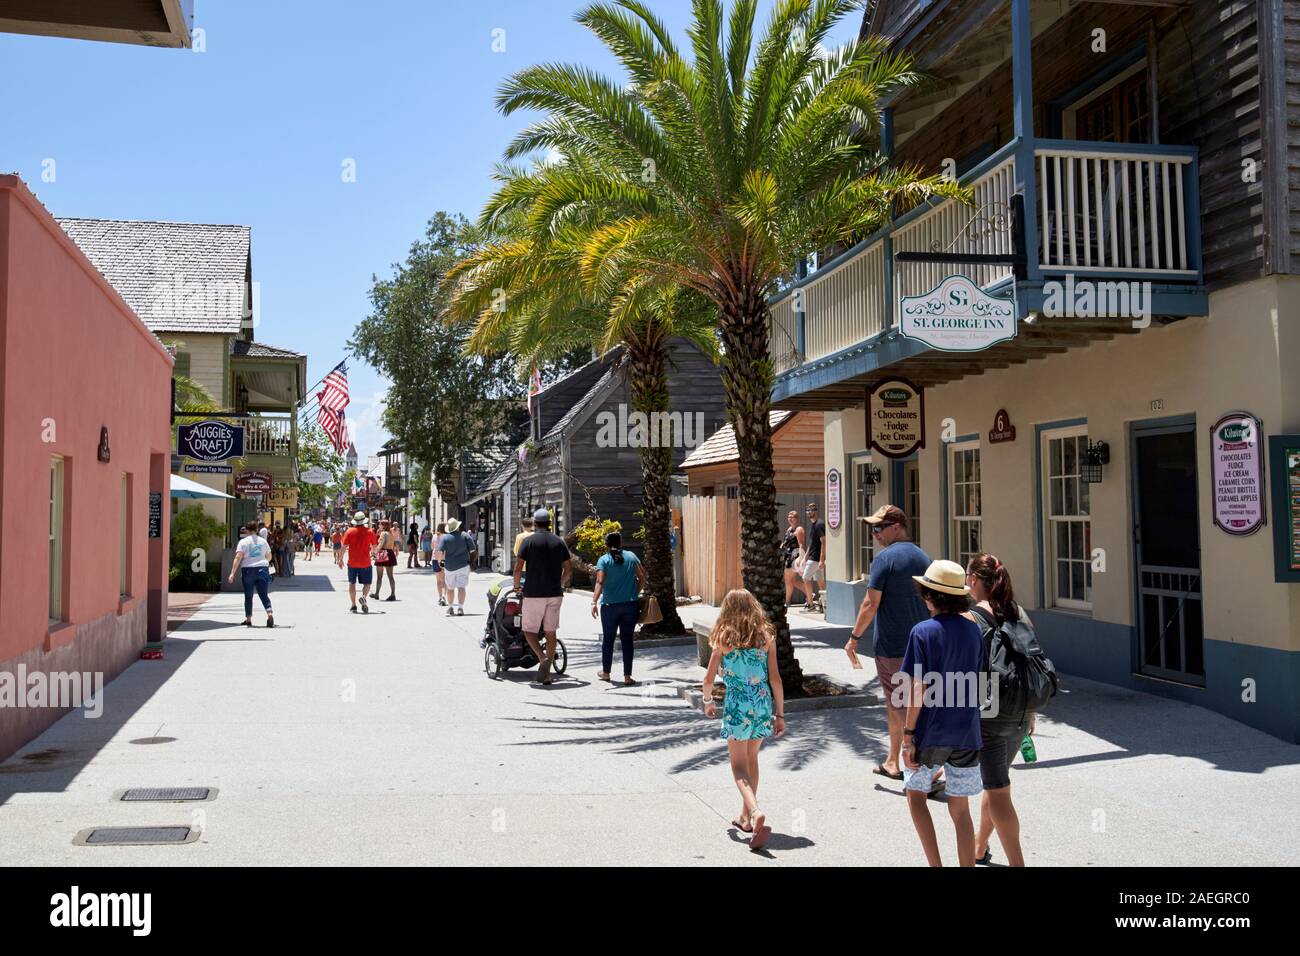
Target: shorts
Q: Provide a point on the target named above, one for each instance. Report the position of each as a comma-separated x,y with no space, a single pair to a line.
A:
891,682
1002,740
542,613
458,578
961,771
814,572
435,564
360,575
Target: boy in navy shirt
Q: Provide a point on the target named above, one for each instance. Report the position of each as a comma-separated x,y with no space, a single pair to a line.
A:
944,662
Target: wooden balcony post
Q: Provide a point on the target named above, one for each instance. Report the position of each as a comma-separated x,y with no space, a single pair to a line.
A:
887,272
1022,76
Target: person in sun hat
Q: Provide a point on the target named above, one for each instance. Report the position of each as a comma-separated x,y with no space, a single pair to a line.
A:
942,670
360,543
456,552
892,604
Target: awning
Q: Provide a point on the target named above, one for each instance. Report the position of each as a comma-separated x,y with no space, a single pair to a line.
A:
184,488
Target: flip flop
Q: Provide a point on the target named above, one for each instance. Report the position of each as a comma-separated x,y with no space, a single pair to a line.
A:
762,832
880,769
741,827
986,859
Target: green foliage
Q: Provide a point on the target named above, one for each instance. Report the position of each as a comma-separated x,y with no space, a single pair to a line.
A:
193,529
442,402
591,537
421,488
316,451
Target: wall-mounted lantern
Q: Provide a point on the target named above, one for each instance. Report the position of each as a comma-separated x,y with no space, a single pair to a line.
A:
1097,455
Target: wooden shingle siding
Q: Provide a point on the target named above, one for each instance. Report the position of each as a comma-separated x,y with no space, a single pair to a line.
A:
1208,87
1210,97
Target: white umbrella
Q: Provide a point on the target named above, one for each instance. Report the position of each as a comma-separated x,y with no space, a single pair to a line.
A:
184,488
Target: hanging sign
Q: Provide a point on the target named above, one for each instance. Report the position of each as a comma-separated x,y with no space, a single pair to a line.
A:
316,475
210,441
192,469
896,418
833,482
1002,429
254,483
283,496
957,316
1237,469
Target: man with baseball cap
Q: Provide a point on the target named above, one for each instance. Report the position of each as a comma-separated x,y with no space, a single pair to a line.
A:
549,565
893,604
814,568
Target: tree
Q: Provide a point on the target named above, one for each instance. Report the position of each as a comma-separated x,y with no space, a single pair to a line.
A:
316,451
525,292
716,173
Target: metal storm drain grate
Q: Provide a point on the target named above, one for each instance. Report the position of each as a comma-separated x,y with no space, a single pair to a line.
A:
135,836
167,794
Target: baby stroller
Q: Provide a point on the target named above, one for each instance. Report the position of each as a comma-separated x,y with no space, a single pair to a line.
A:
505,646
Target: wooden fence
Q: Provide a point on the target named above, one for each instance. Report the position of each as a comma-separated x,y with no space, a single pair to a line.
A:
711,546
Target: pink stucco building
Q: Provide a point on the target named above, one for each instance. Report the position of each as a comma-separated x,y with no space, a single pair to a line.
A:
83,561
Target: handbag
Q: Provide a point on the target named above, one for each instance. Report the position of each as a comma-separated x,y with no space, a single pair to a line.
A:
648,612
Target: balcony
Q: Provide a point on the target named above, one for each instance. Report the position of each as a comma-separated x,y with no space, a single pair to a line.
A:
1102,211
267,435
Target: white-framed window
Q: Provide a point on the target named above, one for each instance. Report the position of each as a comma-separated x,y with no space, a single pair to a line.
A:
56,608
864,498
964,502
1067,524
124,539
912,495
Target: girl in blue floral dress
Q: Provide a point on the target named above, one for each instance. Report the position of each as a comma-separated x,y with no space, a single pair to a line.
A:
744,655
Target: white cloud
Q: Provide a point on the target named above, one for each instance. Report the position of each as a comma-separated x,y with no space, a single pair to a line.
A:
365,423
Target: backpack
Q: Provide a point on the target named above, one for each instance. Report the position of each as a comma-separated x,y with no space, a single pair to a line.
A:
1026,678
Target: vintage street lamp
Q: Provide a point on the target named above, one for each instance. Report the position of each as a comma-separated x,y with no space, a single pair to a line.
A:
1098,454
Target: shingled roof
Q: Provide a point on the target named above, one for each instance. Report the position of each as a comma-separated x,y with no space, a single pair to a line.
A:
720,447
176,276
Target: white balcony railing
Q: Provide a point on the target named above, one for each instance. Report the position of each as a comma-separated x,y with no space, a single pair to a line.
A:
1106,209
983,228
267,436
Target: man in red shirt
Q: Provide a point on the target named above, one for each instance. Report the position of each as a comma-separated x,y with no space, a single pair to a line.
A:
360,543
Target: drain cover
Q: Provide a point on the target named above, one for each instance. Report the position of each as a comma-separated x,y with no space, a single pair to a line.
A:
134,836
167,794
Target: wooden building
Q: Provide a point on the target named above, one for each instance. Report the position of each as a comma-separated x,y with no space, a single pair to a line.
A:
1152,152
711,511
583,456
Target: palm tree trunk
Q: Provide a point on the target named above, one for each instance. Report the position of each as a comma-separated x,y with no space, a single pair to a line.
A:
747,383
648,378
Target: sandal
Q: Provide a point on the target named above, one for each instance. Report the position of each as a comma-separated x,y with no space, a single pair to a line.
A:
880,769
602,675
628,682
741,827
986,859
762,832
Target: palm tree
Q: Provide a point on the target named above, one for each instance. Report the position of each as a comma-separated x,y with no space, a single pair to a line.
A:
547,311
715,173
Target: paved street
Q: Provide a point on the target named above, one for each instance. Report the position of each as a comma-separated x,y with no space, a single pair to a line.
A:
339,739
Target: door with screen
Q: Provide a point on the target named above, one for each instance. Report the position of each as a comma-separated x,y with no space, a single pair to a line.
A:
1166,533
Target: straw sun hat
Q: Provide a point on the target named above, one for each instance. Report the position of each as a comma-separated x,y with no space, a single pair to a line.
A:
947,577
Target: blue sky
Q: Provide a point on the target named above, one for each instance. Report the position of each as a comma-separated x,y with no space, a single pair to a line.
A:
256,129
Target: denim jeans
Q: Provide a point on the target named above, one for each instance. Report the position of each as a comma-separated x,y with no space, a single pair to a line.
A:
621,618
259,578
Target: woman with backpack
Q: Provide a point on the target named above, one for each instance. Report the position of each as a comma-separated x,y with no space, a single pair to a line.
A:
1003,621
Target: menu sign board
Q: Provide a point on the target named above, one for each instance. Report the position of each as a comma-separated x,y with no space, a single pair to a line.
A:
896,418
833,500
1237,466
1291,458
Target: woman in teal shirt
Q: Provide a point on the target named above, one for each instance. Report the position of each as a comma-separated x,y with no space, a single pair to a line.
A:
619,576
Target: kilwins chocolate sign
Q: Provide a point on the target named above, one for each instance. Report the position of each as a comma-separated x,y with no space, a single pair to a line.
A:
1237,462
210,441
896,418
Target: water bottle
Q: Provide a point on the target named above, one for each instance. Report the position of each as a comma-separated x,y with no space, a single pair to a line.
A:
1027,750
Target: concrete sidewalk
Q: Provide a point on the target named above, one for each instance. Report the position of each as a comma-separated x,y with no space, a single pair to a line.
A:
342,739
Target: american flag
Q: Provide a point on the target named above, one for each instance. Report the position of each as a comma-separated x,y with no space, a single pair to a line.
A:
331,401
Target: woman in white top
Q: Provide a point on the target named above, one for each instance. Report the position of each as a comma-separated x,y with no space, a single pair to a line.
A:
252,560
